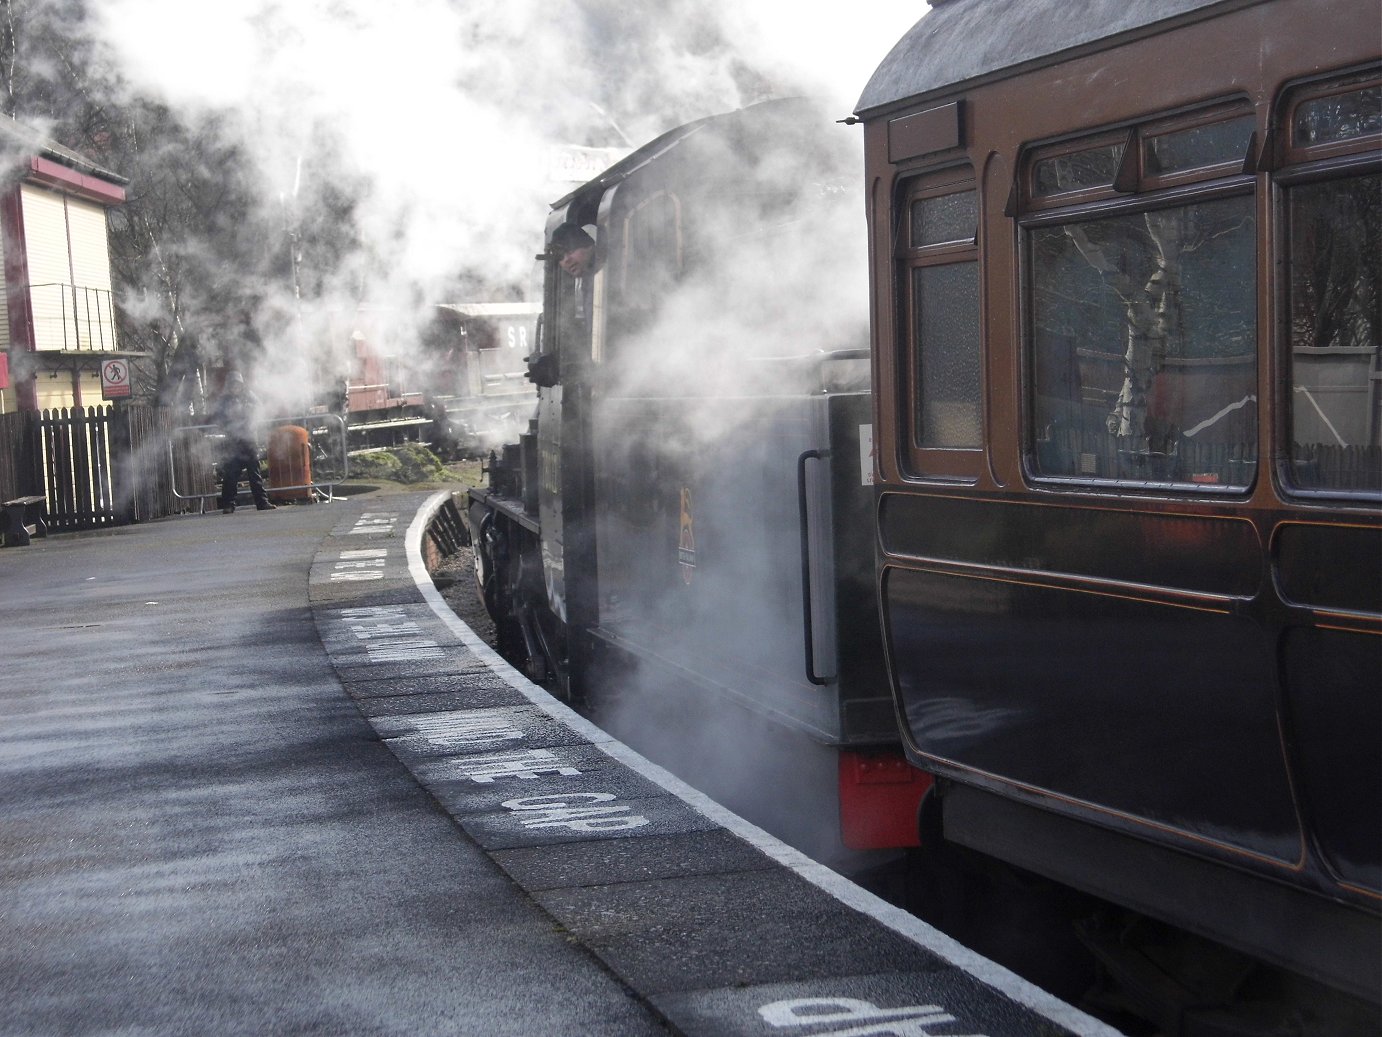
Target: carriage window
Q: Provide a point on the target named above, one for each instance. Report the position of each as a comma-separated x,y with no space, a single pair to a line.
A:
1335,298
940,257
1339,117
1218,144
947,218
1077,170
945,300
1143,329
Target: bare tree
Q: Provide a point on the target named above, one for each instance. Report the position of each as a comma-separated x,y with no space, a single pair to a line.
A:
195,248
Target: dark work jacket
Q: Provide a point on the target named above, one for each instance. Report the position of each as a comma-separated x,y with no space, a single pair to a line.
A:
234,415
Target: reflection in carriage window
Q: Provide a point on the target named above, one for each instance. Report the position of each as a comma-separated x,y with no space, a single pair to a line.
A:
1338,117
1334,288
1336,334
1144,349
1077,170
1217,144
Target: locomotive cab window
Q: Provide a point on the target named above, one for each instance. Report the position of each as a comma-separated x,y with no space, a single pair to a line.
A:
649,263
1141,305
568,298
1332,195
938,259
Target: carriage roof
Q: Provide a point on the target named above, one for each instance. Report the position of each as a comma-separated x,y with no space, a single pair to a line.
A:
958,41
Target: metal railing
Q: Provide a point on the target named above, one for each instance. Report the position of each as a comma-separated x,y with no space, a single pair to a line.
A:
72,317
196,447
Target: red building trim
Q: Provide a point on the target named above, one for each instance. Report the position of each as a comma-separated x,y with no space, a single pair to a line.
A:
52,174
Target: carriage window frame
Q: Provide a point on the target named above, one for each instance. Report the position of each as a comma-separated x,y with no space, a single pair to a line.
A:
935,462
1134,174
1138,188
1240,159
1035,198
1300,167
1293,153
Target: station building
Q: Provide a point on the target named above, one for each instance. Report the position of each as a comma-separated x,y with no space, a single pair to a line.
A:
57,307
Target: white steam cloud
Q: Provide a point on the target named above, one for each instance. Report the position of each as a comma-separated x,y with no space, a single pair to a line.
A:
441,115
437,118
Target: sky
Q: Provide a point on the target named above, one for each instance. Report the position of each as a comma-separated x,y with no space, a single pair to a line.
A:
440,103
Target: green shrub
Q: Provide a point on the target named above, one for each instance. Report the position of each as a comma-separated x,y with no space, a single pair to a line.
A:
410,463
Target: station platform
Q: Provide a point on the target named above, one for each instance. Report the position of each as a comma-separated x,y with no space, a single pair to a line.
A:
256,777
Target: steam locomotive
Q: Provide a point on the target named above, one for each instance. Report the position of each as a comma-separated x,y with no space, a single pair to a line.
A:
693,500
1100,549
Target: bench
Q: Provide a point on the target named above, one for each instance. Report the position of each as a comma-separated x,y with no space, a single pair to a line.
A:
22,518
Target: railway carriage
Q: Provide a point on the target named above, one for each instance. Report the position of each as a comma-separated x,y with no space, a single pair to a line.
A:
1126,264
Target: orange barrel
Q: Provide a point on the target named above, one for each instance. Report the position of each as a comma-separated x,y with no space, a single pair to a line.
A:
290,463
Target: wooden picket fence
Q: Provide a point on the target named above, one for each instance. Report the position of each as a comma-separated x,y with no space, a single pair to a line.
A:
21,469
96,467
79,479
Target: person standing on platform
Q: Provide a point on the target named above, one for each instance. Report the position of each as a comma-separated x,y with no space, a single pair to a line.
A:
234,414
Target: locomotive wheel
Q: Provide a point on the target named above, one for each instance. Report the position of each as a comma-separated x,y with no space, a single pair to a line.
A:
485,582
536,669
508,634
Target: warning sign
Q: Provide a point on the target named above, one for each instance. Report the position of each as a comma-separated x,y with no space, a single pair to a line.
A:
115,379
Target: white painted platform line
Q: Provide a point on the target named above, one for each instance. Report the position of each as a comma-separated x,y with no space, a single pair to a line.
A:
899,921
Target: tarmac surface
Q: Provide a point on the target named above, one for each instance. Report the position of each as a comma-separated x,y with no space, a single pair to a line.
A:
256,778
